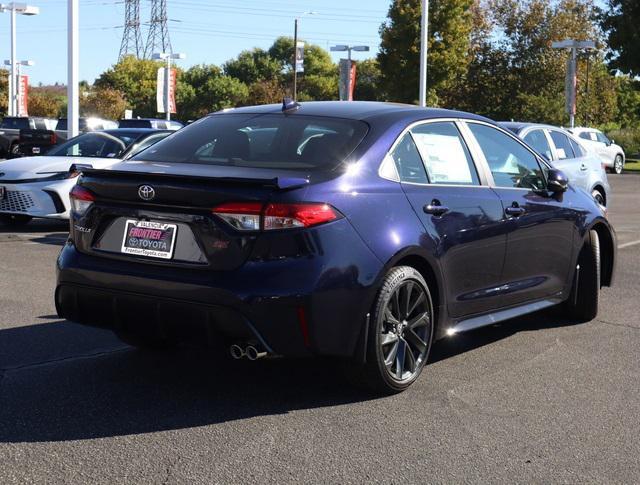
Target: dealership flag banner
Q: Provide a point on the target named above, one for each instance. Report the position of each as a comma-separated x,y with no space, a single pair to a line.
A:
347,79
160,96
300,56
23,96
570,85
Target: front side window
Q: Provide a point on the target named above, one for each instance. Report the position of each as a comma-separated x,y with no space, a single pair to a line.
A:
262,141
602,138
585,135
563,146
511,164
408,161
538,141
444,154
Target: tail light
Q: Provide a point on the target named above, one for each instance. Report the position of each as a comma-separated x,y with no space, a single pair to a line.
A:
255,216
81,199
54,139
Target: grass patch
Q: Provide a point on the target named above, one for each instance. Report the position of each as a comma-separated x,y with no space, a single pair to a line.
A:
632,165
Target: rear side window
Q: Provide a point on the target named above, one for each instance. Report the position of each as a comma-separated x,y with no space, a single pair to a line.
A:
538,141
585,135
262,141
563,146
577,149
408,161
511,164
445,155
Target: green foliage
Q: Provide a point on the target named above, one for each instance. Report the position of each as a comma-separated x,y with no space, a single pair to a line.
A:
368,78
136,78
253,66
628,139
4,90
209,90
620,22
450,26
45,103
104,103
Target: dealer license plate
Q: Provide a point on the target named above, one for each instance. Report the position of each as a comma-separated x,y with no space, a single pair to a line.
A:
148,238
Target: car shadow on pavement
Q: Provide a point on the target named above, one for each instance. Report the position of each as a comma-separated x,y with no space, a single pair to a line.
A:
100,388
36,226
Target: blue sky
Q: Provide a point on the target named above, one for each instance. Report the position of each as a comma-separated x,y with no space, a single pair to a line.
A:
208,31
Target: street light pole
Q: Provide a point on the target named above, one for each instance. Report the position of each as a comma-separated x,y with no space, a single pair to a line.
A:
295,59
73,88
424,32
14,9
12,76
348,48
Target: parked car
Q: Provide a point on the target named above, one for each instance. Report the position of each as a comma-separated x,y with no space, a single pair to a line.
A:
566,153
10,131
38,142
158,124
362,231
612,155
39,186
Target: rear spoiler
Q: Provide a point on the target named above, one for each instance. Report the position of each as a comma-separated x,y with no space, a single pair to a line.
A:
280,183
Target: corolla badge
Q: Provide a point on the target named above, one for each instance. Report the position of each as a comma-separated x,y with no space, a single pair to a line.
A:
146,192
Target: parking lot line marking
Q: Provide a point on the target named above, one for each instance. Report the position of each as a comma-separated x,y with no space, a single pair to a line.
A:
626,245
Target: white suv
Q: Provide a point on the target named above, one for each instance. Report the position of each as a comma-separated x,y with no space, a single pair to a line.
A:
612,155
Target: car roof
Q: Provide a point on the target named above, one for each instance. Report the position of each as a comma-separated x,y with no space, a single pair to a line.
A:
358,110
134,131
518,126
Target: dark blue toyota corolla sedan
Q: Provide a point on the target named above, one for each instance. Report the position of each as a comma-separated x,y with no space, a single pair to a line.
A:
364,231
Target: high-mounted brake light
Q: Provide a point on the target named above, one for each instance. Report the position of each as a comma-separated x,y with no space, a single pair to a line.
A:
81,199
254,216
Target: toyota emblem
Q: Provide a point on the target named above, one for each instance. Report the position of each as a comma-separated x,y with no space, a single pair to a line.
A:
146,192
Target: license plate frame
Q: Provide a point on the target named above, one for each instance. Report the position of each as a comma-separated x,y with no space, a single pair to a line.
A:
152,239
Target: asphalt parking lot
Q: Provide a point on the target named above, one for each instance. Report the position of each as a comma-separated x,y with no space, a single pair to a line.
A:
536,399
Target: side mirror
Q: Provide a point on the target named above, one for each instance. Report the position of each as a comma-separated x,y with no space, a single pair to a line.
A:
611,142
557,181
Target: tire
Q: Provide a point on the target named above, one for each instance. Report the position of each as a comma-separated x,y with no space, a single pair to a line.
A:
14,152
618,165
583,303
15,219
599,196
400,332
143,342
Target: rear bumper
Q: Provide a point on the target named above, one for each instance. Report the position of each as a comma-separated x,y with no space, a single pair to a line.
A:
294,307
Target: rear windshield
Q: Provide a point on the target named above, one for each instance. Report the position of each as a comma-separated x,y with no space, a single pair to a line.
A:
15,123
262,141
94,144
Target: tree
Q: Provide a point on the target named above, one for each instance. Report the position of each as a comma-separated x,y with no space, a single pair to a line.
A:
46,104
620,22
253,66
105,103
265,92
448,46
4,90
211,91
320,78
368,77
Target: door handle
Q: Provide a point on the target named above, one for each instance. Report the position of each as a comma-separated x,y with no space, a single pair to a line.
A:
435,208
583,167
515,210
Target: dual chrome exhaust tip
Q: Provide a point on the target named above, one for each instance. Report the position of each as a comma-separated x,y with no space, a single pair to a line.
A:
250,352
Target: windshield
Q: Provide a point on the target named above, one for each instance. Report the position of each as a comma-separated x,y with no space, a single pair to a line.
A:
261,141
95,145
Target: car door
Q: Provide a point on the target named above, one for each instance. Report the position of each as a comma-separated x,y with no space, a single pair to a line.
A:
458,211
541,229
604,148
566,160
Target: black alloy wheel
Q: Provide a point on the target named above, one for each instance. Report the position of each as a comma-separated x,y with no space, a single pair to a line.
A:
401,331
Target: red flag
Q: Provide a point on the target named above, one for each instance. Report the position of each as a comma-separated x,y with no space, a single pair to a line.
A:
23,96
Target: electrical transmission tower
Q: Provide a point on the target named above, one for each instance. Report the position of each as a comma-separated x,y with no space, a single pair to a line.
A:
158,38
131,37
